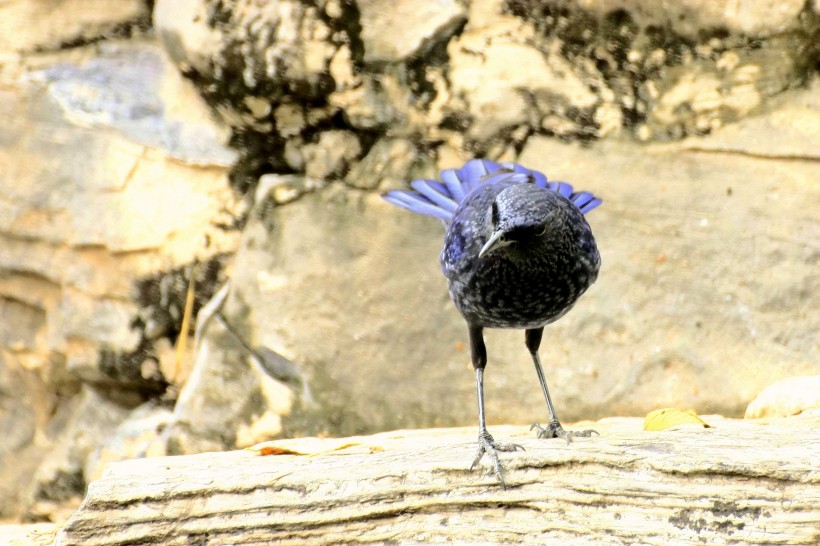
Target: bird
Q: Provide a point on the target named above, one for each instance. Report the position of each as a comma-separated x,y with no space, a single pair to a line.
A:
518,253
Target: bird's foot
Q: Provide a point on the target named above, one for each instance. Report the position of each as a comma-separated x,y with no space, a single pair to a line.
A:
555,430
486,444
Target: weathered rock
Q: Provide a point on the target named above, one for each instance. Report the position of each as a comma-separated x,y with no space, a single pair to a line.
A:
485,69
689,17
21,414
81,427
795,120
375,105
49,24
792,396
579,70
252,55
627,486
391,162
93,190
180,26
396,31
365,310
138,435
676,78
327,158
707,286
336,281
111,172
115,199
231,399
284,188
34,534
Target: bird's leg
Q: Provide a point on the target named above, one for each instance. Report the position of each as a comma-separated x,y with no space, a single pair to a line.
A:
554,428
486,443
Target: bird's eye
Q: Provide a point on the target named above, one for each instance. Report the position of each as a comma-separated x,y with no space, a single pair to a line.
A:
495,213
540,232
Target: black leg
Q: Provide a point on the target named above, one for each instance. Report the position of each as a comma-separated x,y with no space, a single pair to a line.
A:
554,428
486,443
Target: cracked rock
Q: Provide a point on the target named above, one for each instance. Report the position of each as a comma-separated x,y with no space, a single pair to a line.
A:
390,163
395,31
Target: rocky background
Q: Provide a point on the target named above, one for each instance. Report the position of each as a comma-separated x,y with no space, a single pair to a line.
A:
228,155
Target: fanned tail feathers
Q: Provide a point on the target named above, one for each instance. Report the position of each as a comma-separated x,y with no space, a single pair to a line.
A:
440,199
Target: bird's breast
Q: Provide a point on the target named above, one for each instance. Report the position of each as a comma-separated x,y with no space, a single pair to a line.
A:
501,293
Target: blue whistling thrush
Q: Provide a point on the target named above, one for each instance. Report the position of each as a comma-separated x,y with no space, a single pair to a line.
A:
518,253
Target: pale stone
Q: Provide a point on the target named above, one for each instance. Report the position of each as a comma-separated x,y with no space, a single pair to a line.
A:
284,188
28,324
87,426
132,438
486,70
135,91
26,405
688,17
395,31
368,106
389,163
114,177
367,306
331,155
714,254
786,398
796,122
31,534
290,119
180,26
229,399
740,481
268,51
111,170
27,25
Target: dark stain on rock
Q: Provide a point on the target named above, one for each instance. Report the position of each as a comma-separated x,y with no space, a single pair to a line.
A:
724,517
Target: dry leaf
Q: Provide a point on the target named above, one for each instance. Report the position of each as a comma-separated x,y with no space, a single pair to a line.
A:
662,419
308,446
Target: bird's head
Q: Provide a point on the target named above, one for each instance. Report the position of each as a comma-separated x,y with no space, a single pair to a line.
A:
521,217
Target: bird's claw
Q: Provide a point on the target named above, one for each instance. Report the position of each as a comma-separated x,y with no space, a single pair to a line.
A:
555,430
486,444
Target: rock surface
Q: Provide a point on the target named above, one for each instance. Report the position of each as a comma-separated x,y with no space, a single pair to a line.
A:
27,26
122,209
787,397
112,172
679,317
682,486
396,31
34,534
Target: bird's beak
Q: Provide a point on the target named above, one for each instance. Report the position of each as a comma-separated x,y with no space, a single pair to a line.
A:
495,242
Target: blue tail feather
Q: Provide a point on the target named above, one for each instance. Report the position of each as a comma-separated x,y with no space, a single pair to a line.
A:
537,178
581,198
417,203
450,178
561,187
441,199
591,205
436,193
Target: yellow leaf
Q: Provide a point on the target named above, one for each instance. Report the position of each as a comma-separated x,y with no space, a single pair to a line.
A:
309,446
662,419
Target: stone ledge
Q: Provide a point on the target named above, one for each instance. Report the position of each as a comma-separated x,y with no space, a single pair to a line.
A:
715,485
28,534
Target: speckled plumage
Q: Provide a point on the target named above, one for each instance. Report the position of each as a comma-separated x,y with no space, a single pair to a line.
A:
518,253
526,284
529,283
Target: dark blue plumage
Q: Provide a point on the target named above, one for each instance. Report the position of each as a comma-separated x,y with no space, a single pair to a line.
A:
518,253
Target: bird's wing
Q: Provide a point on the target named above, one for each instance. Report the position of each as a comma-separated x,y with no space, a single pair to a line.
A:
441,199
